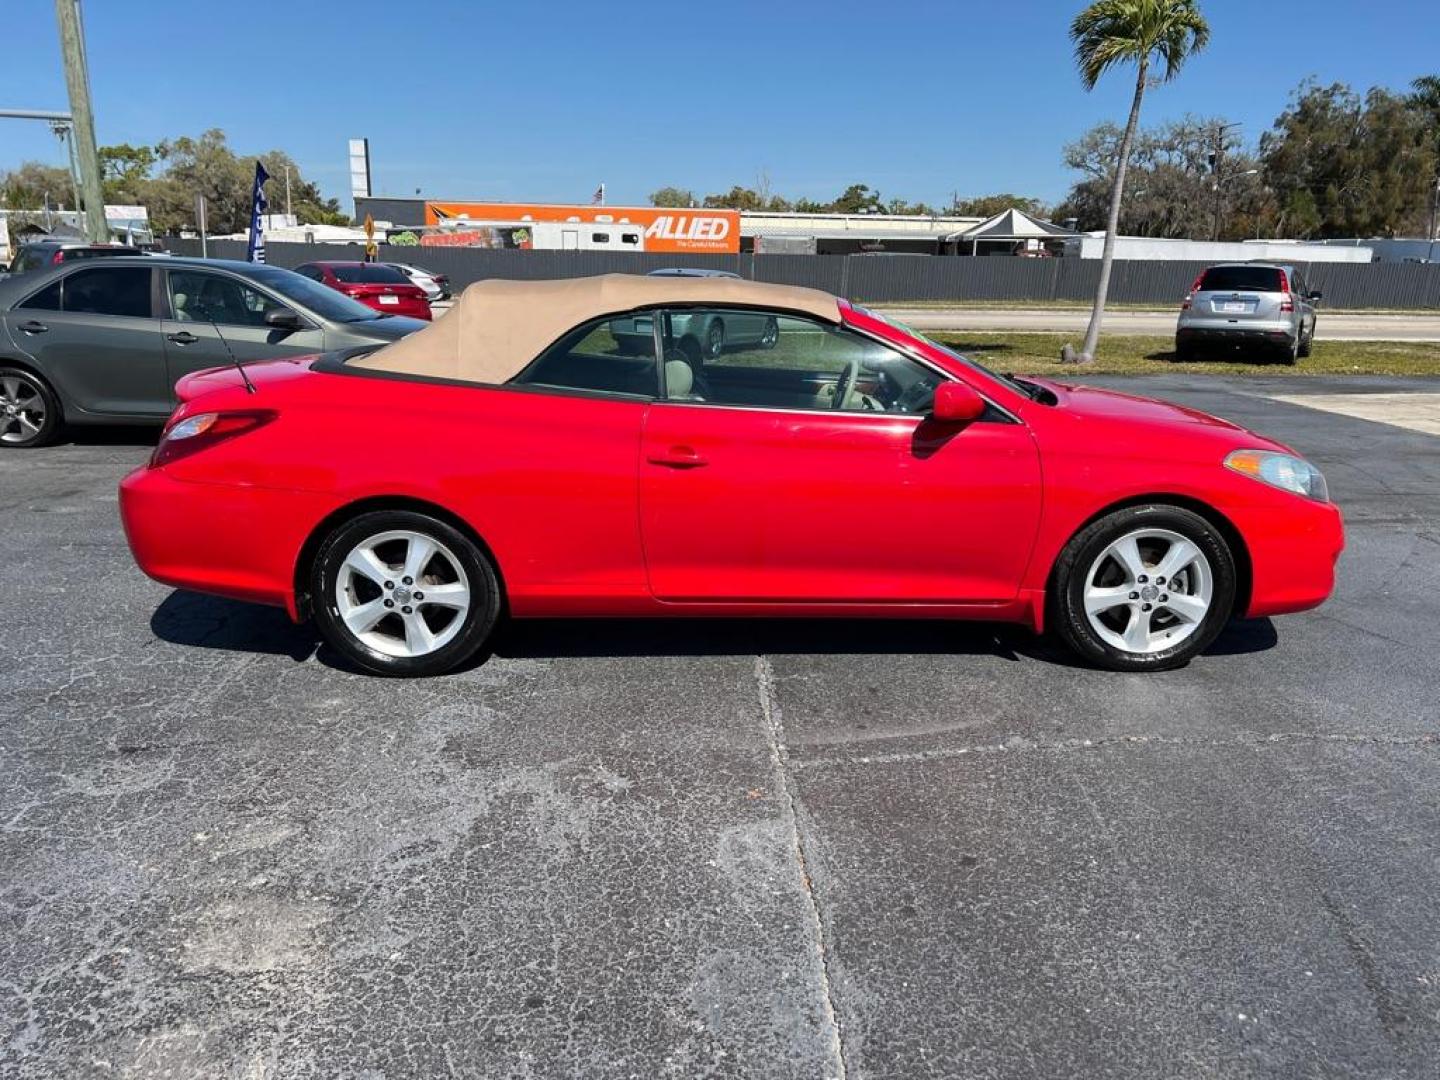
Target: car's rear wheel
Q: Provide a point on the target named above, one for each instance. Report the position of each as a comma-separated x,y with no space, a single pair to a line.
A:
1145,588
1184,350
1290,350
29,413
1306,341
403,593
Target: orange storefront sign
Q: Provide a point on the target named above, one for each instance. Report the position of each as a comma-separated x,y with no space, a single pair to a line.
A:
690,230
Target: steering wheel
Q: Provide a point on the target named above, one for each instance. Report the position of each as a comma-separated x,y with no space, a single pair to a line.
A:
848,378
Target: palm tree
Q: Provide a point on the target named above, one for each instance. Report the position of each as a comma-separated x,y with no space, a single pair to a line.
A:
1143,32
1427,99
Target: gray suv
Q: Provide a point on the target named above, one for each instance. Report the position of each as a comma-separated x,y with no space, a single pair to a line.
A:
104,340
1262,304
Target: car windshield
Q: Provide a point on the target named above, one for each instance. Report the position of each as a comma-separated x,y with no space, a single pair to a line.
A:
1029,389
1241,278
368,274
321,299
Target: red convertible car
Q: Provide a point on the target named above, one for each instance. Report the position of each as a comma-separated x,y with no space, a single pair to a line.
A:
514,459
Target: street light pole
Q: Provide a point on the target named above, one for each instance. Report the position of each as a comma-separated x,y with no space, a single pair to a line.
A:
82,132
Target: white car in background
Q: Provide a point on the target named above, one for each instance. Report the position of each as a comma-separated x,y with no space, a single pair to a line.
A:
436,286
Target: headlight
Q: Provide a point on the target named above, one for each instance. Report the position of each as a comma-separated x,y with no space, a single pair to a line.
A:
1280,470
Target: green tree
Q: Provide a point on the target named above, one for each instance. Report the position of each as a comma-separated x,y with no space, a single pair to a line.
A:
672,197
1345,165
857,198
1426,99
125,172
1172,189
33,183
986,206
1110,33
737,198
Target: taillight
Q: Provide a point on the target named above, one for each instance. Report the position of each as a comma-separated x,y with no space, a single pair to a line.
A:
1185,304
58,257
1287,306
203,430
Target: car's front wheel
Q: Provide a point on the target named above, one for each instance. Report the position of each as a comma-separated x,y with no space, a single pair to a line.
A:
1145,588
404,593
29,413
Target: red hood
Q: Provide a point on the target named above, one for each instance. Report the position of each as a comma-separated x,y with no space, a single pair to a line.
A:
1101,404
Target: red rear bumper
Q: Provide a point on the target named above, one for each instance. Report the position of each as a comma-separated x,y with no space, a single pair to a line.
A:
241,542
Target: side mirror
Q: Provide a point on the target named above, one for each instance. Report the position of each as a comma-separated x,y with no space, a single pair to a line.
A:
1315,296
956,403
282,318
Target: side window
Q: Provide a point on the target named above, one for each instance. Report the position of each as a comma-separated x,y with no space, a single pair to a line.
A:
109,290
613,356
734,357
47,299
196,296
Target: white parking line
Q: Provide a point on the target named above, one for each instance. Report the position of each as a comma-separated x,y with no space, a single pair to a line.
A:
1418,412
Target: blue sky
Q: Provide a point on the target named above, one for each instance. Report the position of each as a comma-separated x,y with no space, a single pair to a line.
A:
544,100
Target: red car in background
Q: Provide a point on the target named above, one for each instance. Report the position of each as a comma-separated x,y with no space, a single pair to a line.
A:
375,285
831,464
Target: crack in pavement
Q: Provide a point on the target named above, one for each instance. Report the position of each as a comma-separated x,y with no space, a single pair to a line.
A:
780,757
1021,744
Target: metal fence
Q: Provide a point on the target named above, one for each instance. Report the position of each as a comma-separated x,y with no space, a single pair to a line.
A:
887,278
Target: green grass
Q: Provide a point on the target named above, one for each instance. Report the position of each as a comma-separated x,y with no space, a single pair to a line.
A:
1039,354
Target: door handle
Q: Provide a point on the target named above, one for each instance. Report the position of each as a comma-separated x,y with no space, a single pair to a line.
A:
678,457
33,327
182,338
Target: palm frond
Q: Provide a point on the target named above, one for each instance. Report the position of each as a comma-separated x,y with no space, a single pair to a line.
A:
1112,32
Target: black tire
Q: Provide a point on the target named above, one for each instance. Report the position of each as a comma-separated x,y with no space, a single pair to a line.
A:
1184,351
1306,341
15,416
478,622
714,340
1290,352
771,336
1068,583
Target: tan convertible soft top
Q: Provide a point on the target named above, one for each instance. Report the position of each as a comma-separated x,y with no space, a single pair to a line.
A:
497,327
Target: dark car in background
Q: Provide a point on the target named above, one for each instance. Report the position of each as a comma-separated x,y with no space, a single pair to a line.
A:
38,254
376,285
105,341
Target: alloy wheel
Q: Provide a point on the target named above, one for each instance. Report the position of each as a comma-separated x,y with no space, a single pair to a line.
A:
1148,591
402,593
22,410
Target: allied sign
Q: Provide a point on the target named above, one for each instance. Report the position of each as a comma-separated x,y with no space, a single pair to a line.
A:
686,229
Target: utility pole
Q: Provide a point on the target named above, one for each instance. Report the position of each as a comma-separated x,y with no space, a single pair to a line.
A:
287,191
77,81
1217,158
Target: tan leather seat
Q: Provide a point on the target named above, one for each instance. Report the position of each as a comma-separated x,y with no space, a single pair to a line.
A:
679,380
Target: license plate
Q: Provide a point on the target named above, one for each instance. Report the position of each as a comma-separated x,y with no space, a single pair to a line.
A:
390,299
1235,305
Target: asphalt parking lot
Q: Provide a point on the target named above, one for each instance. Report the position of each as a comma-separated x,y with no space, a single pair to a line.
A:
756,849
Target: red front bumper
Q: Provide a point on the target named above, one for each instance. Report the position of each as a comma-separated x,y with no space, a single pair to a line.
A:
241,542
1294,545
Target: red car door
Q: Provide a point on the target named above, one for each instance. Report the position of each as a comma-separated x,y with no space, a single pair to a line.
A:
764,492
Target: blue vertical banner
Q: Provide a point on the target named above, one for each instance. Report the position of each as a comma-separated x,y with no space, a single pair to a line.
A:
255,252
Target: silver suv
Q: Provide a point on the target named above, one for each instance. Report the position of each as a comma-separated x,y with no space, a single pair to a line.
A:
1266,304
